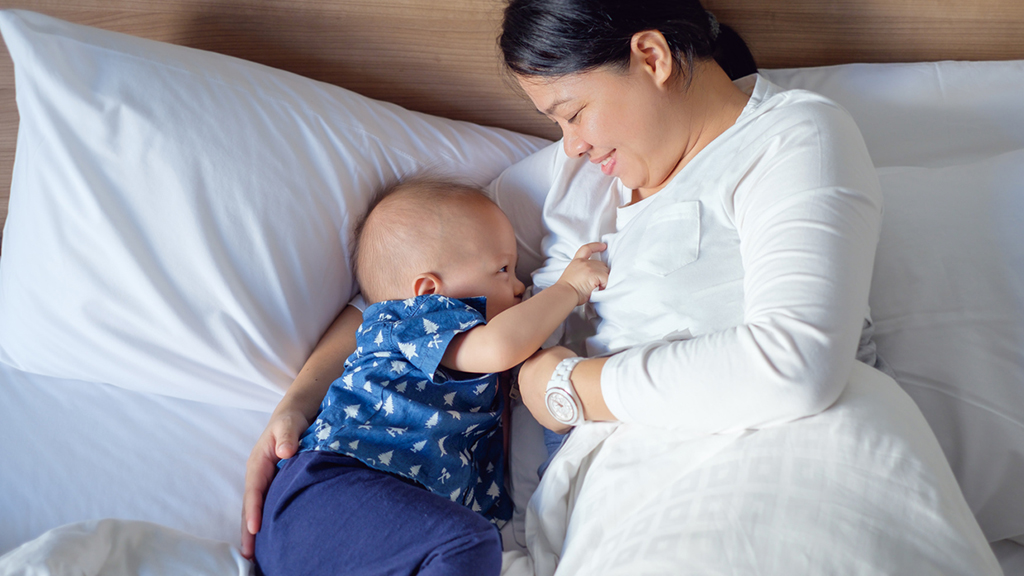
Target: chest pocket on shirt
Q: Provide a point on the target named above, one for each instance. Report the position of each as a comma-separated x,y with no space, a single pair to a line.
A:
671,239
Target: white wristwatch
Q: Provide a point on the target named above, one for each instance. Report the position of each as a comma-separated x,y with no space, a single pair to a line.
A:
561,399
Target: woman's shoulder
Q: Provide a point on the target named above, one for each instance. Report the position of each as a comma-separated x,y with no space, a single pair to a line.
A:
801,140
781,109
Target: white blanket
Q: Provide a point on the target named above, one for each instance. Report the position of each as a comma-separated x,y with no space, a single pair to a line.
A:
122,548
862,488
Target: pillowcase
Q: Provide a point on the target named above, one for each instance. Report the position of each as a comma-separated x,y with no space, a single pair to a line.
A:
925,113
947,298
179,220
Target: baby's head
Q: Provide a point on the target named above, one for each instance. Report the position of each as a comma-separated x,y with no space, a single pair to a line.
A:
437,237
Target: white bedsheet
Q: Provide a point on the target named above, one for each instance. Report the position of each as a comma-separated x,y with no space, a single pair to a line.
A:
123,548
172,471
862,488
75,451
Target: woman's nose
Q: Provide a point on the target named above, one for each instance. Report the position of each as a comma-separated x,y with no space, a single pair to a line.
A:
573,144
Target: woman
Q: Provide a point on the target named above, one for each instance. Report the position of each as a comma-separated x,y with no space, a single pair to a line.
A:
741,223
742,217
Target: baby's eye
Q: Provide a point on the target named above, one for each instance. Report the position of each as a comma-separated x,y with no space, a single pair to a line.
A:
503,269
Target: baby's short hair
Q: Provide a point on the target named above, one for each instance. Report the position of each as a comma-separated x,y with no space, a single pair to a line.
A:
398,228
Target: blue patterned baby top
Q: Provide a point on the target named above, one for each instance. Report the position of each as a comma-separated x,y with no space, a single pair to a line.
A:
398,410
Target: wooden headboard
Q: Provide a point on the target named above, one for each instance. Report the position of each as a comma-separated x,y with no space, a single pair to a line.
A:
440,57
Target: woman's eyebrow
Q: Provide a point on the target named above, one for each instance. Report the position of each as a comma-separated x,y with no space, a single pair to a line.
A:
551,109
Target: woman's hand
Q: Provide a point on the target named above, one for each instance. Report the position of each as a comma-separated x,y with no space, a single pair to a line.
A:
585,378
292,416
533,384
279,441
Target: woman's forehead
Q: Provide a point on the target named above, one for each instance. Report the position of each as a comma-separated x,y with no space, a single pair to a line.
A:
548,93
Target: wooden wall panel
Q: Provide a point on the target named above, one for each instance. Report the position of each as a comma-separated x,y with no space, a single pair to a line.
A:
441,57
791,33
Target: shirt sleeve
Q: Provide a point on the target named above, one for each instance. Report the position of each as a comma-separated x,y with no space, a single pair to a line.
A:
808,214
358,302
422,338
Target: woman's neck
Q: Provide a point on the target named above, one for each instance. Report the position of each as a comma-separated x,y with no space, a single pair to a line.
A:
709,106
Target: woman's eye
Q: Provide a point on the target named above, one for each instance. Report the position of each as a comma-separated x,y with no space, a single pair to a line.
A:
574,117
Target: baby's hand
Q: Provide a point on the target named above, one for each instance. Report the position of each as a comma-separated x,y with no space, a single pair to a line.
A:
585,275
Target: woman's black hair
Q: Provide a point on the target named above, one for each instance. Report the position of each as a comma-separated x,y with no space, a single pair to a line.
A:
561,37
733,54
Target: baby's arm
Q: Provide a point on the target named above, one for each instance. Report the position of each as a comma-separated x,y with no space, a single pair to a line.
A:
515,334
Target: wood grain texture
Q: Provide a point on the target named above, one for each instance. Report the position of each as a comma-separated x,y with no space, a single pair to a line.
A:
441,57
792,33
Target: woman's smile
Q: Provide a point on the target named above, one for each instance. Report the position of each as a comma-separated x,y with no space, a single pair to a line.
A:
607,163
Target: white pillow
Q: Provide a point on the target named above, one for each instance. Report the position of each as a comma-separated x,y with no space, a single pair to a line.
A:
179,220
925,113
947,298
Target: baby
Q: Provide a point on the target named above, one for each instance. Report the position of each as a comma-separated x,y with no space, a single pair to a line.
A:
419,405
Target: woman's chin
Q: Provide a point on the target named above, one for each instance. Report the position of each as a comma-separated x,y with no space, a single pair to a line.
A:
627,182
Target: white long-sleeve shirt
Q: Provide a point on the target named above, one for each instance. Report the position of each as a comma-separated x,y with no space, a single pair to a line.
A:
738,292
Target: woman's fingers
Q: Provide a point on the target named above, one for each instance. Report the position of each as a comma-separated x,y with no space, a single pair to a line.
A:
248,542
286,447
259,471
588,250
278,442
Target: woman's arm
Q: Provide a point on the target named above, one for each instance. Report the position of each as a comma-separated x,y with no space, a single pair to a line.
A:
585,378
298,407
808,217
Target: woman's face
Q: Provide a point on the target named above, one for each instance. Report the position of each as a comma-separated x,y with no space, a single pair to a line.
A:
621,120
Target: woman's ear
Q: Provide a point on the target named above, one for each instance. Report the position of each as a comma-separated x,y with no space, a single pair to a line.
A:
651,53
427,283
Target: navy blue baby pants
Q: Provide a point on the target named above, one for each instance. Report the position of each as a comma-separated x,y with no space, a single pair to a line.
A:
327,513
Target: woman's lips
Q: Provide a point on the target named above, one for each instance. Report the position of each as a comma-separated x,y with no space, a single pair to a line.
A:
608,165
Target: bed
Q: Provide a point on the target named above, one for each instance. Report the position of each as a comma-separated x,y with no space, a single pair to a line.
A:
176,242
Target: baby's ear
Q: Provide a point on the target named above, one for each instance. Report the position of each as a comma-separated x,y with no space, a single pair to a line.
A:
427,283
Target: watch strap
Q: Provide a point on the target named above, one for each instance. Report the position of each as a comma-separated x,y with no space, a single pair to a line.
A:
561,399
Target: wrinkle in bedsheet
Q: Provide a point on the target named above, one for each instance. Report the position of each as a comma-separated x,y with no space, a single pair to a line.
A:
862,488
122,548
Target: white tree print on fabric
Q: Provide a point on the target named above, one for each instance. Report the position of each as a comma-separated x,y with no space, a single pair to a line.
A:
397,412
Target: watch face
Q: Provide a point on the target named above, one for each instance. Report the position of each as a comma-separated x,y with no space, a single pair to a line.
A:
561,406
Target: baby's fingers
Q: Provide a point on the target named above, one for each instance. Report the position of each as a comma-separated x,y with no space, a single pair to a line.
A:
588,250
600,275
